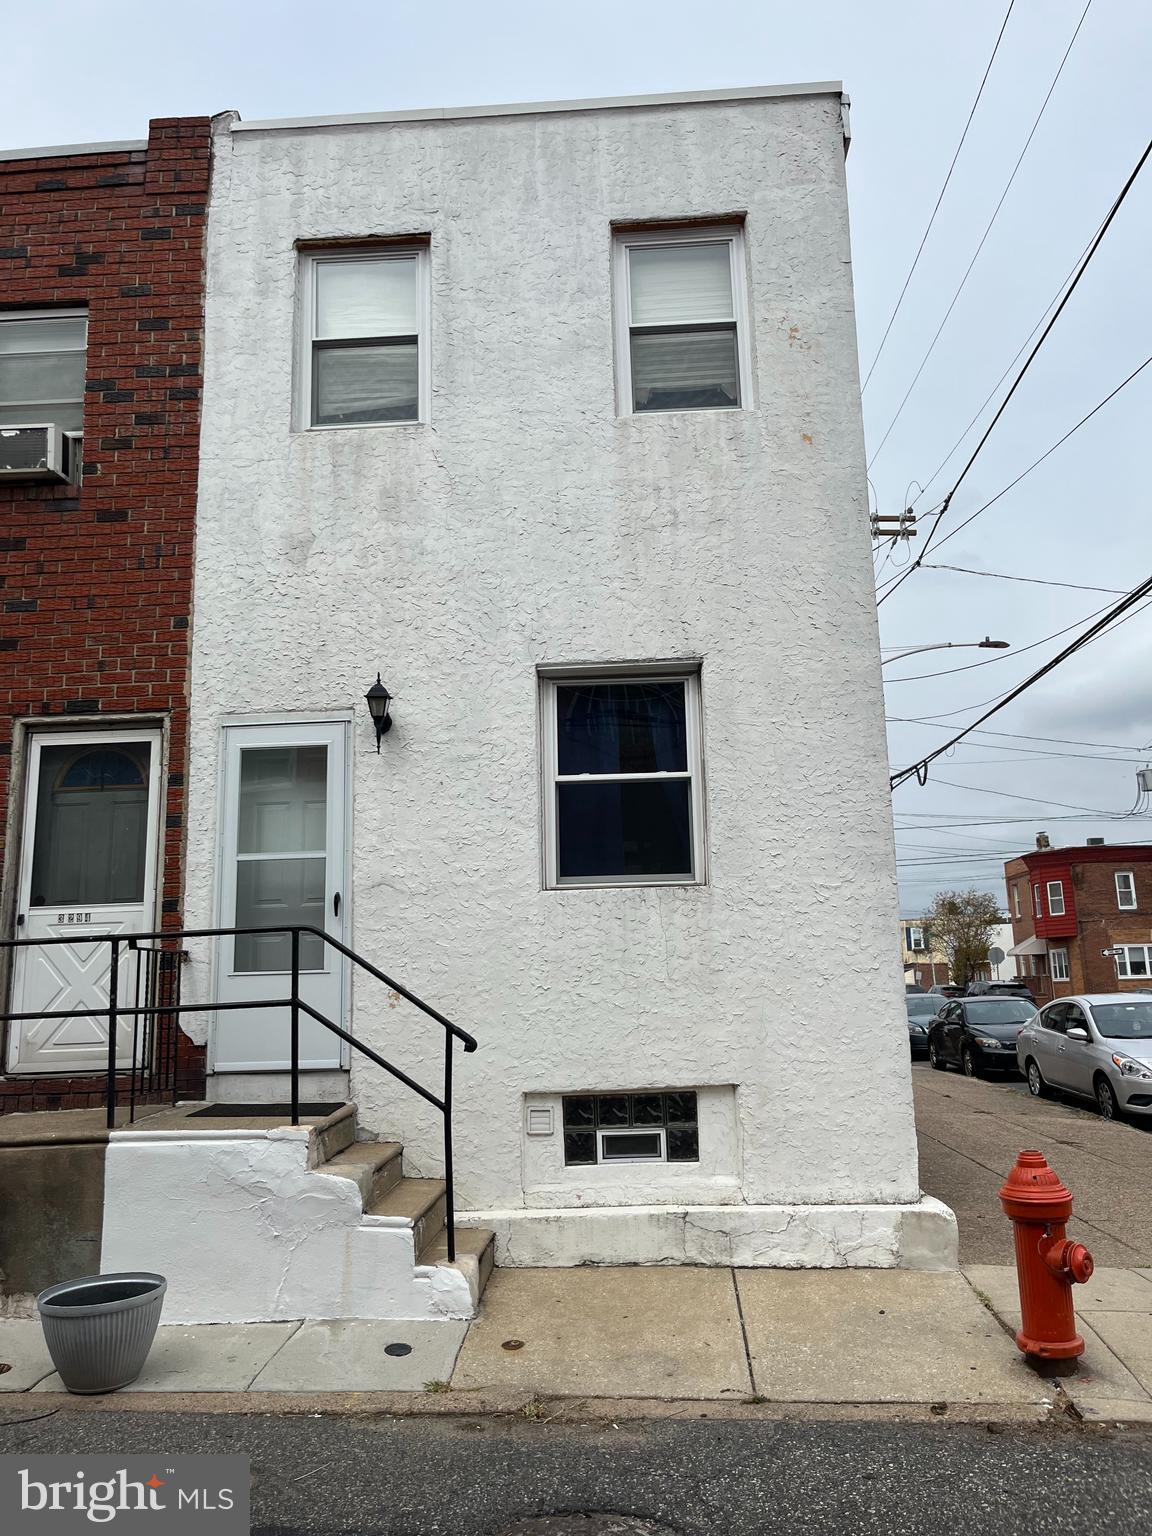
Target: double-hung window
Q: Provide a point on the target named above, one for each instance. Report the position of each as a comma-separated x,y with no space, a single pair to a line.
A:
1037,904
1058,958
42,358
914,937
1133,959
1126,892
623,792
1016,901
1055,898
364,337
681,320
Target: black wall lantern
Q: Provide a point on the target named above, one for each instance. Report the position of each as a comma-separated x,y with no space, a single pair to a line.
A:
379,700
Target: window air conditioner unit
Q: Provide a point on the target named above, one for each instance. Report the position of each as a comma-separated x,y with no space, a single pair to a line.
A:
32,453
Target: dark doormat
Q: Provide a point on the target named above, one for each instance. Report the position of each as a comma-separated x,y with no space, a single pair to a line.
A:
246,1111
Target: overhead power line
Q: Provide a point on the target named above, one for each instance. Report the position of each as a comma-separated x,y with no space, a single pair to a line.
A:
1035,581
1055,741
940,198
919,770
1022,373
983,238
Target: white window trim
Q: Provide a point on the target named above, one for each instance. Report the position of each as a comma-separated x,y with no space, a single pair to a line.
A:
78,312
1016,900
915,936
622,309
1058,887
690,677
1123,964
1058,959
1121,905
305,324
1037,902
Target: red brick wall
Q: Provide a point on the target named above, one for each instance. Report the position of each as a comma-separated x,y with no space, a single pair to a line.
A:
96,581
1100,924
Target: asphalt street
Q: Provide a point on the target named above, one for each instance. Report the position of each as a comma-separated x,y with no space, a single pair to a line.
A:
970,1132
482,1477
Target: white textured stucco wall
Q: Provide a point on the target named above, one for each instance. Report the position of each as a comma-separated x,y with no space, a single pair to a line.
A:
527,523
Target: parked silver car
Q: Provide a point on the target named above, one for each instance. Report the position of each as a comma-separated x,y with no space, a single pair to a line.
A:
1098,1045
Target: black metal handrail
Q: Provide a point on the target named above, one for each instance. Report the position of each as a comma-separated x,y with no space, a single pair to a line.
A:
294,1003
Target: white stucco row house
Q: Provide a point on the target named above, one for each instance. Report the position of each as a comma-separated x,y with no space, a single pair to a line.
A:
547,415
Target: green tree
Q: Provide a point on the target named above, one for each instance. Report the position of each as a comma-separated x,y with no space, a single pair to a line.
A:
962,925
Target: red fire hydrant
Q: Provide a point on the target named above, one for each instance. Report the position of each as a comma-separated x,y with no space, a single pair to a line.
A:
1048,1264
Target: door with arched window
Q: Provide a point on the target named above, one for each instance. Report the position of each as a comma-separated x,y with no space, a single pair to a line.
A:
88,867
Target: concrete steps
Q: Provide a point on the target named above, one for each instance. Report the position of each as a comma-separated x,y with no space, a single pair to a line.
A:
265,1221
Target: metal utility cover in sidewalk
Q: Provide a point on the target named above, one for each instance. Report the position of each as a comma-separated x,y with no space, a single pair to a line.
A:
608,1333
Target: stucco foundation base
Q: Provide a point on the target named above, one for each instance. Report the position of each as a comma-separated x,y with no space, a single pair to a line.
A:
921,1236
246,1230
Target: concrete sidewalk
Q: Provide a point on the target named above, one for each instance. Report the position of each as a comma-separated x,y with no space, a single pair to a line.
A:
688,1335
1114,1318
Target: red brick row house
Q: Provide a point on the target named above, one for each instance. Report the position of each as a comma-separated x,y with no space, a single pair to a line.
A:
101,306
1082,918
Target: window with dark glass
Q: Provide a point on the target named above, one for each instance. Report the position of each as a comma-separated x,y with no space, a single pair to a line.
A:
631,1128
623,792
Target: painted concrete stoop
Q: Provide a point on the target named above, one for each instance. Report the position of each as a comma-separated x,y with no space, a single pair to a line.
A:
257,1220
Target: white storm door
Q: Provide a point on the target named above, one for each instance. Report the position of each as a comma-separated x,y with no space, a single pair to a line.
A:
282,862
88,866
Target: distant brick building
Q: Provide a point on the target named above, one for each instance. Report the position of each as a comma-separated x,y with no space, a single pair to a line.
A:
101,300
1070,905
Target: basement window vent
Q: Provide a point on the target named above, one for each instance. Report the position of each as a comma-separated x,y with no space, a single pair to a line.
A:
631,1128
540,1120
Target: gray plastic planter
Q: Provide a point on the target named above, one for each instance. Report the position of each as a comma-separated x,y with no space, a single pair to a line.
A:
100,1328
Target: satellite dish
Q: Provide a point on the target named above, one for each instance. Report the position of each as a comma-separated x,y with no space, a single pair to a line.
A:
995,956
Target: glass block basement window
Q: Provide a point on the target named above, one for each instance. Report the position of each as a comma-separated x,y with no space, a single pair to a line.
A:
631,1128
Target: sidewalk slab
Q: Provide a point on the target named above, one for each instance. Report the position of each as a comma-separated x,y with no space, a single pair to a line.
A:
628,1332
1114,1290
1128,1336
22,1347
1103,1379
885,1336
353,1356
206,1357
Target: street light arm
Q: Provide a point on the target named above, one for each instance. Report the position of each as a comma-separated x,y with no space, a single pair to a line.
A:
949,645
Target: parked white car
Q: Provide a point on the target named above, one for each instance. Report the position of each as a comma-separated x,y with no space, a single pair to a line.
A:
1098,1045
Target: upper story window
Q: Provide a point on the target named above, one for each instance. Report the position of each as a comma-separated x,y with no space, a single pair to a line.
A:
914,937
623,790
1055,898
1016,900
1126,892
1037,904
681,320
42,357
364,337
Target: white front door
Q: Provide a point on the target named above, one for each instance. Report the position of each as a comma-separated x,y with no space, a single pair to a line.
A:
88,866
282,862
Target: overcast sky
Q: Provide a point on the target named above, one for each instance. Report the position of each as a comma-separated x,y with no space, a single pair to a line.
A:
79,72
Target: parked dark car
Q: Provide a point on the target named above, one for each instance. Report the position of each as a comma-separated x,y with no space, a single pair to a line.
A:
978,1034
1000,989
922,1010
947,989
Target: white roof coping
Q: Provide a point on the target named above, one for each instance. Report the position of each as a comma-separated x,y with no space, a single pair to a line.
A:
527,108
50,151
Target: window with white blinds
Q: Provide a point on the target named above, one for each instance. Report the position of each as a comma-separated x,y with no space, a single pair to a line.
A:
364,338
681,326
